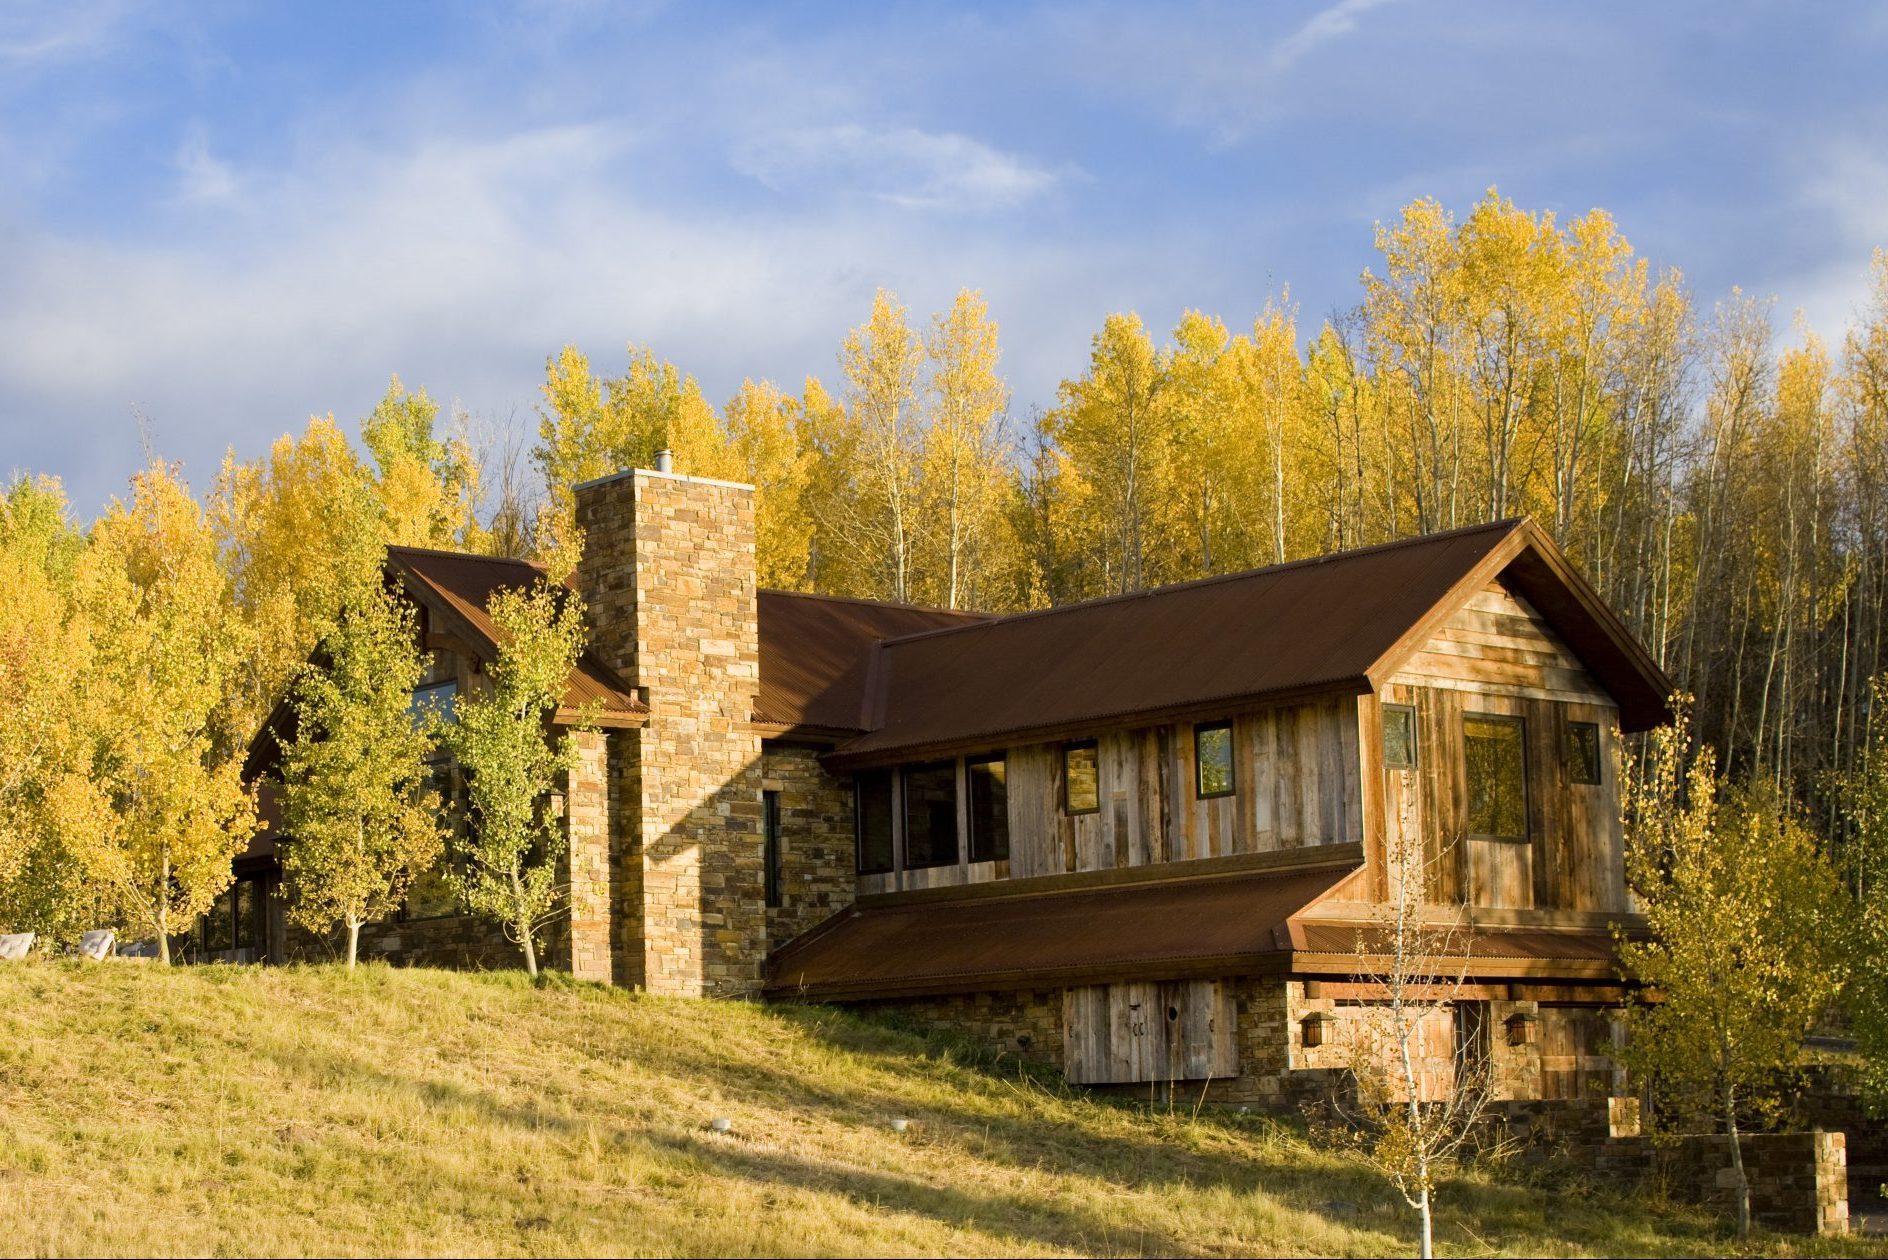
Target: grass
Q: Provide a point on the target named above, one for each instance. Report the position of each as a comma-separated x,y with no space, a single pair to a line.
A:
309,1111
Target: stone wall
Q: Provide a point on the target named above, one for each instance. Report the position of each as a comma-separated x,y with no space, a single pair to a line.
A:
668,575
1026,1023
589,810
817,877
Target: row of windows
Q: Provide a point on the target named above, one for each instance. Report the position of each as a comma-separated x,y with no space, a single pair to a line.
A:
1494,749
930,814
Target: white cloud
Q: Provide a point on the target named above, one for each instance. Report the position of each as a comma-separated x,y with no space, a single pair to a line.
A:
904,166
202,178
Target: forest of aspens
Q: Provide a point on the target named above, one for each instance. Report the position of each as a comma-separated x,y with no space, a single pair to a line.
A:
1720,474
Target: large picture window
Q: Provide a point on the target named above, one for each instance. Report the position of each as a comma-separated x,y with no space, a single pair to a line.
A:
1081,778
931,815
988,783
1496,751
873,820
1212,759
770,843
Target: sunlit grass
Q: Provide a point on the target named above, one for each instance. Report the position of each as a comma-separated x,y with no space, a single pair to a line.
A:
306,1110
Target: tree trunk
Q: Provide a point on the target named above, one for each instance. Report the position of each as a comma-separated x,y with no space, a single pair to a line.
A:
523,925
353,942
1429,1233
163,932
1742,1186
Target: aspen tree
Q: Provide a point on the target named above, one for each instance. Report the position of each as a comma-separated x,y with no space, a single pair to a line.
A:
355,795
965,448
167,644
427,485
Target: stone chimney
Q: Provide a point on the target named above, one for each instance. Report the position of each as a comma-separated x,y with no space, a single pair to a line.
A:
668,576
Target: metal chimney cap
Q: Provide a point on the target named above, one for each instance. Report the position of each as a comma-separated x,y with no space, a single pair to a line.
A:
665,461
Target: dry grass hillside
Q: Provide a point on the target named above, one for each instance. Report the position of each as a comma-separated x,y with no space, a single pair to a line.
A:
309,1111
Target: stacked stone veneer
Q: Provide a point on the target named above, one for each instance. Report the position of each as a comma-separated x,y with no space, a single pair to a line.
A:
817,876
668,576
591,807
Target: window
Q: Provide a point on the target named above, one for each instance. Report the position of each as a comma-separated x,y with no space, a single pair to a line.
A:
1081,779
434,892
1495,749
770,844
931,815
1583,752
440,699
989,809
1472,1042
1399,737
1212,759
872,793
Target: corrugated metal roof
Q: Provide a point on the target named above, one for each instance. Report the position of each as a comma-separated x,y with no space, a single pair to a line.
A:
1222,922
1293,627
1331,623
464,585
814,650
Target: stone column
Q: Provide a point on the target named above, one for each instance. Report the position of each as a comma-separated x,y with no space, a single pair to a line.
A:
668,572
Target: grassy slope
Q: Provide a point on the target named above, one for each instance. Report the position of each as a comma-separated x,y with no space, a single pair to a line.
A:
306,1110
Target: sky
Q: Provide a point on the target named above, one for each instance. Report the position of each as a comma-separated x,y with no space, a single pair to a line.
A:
224,218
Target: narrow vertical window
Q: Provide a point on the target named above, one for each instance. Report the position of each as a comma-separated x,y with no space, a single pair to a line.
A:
1583,752
1212,759
1399,737
931,815
1081,778
872,792
989,809
770,844
1496,750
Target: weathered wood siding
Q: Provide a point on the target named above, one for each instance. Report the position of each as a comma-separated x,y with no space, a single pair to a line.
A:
1497,656
1181,1030
1297,781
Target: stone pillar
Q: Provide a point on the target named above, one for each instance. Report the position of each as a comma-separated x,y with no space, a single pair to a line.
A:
668,573
587,815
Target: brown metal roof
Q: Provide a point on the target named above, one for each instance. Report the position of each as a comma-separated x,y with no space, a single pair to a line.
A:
1491,943
461,586
814,650
1215,924
1333,623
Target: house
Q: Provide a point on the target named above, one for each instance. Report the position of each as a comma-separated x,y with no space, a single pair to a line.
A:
1134,837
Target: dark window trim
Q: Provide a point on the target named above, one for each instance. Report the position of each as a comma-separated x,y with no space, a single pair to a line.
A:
970,816
1232,761
1415,753
1519,722
1067,748
1599,751
858,823
904,809
770,845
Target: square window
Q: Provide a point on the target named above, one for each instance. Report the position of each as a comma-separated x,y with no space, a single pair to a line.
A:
770,846
1399,737
931,815
1495,748
1212,759
872,799
1583,752
989,809
1081,779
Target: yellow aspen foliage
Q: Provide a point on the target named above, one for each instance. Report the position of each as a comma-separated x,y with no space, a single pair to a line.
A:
296,529
875,507
427,486
51,810
766,436
965,452
167,644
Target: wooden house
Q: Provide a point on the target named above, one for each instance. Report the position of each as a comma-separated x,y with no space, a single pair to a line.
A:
1139,838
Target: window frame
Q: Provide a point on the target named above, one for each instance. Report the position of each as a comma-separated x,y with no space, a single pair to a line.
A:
1383,742
970,808
1073,746
1199,763
771,849
1520,724
1599,753
858,822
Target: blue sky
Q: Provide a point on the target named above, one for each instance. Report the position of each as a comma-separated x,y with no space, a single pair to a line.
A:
231,216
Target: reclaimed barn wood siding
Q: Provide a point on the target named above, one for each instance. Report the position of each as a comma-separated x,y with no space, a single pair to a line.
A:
1497,656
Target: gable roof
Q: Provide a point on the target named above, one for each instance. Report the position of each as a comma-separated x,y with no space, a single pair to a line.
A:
814,651
456,588
1335,623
